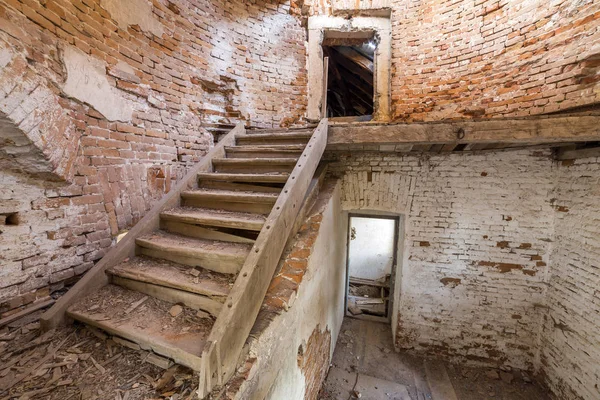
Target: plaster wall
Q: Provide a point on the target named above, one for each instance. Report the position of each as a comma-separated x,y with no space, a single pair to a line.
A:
287,361
371,252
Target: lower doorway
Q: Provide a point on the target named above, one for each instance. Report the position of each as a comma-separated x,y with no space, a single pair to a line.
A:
371,266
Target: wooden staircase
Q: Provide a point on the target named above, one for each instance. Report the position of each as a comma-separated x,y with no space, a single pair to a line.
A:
188,280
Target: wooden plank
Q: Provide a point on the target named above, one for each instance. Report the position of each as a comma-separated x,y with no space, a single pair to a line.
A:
439,381
233,325
533,129
253,222
200,232
26,311
580,153
324,90
192,300
96,277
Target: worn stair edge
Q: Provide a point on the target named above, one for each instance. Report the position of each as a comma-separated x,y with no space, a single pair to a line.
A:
192,300
247,221
200,232
96,278
280,161
240,186
279,177
230,195
223,257
165,273
142,339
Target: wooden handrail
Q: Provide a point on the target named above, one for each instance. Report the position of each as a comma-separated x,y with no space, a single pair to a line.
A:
96,277
232,327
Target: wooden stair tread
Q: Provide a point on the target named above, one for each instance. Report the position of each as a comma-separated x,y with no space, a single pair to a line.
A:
232,195
150,325
215,217
295,135
255,161
261,178
173,275
267,148
224,257
167,241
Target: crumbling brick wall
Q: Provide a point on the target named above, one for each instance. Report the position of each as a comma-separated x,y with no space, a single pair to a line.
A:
488,58
477,243
108,103
570,334
499,258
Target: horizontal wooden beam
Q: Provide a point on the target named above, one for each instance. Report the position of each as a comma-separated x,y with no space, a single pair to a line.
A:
533,130
579,153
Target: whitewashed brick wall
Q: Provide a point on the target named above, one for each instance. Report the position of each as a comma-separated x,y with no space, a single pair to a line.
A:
570,337
485,235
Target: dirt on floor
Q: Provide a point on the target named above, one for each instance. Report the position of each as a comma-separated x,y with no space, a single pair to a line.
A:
79,363
365,348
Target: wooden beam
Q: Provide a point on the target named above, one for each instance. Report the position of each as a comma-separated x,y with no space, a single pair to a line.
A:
364,74
356,57
580,153
541,129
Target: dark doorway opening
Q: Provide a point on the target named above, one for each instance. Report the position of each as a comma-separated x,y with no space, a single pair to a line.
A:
350,77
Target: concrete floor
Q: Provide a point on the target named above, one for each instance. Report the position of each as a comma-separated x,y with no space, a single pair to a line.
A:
365,361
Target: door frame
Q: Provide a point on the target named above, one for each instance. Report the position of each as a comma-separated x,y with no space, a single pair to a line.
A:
397,226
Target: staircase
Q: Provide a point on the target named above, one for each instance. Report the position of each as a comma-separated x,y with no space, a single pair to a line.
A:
188,280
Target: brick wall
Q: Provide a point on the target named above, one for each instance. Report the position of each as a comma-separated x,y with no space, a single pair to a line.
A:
499,258
476,247
490,58
571,329
104,104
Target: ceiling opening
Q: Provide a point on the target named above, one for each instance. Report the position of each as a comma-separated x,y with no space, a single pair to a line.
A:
350,80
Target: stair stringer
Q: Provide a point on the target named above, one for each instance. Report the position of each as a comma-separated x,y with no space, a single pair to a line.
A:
232,327
96,277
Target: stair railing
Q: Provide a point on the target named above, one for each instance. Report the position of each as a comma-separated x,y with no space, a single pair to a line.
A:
232,327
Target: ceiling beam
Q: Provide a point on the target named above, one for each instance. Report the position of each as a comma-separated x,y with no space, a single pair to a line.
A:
540,129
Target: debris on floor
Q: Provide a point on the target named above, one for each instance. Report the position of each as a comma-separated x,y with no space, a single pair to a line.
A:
83,363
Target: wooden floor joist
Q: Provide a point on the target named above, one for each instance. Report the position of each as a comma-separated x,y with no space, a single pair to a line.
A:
531,130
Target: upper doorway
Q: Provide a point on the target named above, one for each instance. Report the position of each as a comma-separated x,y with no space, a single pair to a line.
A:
350,80
371,265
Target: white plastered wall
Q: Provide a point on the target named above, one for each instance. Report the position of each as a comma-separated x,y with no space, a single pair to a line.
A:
318,26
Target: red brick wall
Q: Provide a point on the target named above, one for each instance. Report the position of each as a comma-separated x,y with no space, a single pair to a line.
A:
455,59
184,66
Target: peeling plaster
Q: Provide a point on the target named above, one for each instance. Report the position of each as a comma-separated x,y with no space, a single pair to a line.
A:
134,12
87,82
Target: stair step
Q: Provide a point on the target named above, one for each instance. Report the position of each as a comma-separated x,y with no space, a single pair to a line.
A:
150,325
253,178
223,257
264,151
169,274
197,288
230,200
309,128
212,217
270,187
274,138
254,165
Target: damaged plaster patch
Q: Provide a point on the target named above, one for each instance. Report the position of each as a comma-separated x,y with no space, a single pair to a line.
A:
134,12
5,57
87,82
